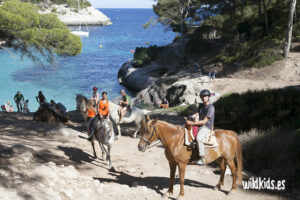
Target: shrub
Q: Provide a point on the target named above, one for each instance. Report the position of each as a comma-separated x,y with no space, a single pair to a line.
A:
53,10
144,56
258,109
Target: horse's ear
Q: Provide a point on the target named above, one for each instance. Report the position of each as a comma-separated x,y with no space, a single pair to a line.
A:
148,117
155,121
143,121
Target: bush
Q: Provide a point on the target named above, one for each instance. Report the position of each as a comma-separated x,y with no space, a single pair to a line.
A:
53,10
144,56
258,109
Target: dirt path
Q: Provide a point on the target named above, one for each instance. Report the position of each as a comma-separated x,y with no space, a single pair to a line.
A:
38,165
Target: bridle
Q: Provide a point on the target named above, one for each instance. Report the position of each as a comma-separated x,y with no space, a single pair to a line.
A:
81,100
148,141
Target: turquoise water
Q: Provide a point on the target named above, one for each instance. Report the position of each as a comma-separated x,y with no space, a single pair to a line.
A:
95,66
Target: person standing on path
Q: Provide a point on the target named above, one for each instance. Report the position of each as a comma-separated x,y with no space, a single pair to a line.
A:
209,76
41,98
25,108
213,76
19,99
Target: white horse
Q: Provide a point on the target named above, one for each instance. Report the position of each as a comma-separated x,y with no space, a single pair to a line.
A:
103,131
136,114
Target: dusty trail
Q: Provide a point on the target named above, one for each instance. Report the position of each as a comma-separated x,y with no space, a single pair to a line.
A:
37,164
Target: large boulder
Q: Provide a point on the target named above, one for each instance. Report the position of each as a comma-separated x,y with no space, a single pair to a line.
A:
47,113
168,61
177,91
137,78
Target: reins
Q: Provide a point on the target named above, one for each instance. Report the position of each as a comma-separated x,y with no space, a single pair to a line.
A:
148,141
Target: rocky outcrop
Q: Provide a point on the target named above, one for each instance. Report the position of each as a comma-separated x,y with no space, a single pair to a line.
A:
167,62
169,76
86,16
138,78
180,90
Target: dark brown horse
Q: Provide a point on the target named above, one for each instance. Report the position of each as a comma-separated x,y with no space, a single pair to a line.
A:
172,137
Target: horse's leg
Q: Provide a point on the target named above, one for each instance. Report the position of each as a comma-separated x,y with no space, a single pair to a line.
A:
119,130
102,150
172,177
93,145
182,167
233,169
222,164
137,129
108,155
97,136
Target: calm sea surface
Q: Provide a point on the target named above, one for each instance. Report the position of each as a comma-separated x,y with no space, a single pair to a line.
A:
95,66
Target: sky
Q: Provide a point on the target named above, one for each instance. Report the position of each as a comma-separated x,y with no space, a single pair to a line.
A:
122,3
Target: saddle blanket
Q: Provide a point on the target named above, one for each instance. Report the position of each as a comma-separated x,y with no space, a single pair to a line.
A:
209,141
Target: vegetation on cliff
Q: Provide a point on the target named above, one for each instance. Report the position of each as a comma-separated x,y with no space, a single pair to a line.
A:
252,32
25,30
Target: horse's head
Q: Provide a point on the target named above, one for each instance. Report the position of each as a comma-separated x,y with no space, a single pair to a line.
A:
147,133
80,103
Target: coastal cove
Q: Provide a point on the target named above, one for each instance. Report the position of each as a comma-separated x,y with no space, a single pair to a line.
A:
95,66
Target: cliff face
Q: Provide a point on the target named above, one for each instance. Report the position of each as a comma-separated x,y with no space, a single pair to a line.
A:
168,76
85,16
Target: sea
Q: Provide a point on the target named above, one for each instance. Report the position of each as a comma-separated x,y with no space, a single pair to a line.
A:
103,53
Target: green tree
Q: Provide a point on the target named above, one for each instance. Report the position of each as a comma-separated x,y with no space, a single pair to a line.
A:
25,30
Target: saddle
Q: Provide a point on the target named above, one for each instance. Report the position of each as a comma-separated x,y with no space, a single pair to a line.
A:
128,113
209,141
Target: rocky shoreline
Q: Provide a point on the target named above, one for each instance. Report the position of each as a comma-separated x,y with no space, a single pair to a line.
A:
168,76
85,16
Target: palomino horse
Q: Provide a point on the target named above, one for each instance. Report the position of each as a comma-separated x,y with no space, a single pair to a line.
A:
172,137
136,115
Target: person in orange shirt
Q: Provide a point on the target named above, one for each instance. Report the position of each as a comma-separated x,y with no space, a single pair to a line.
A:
91,111
103,106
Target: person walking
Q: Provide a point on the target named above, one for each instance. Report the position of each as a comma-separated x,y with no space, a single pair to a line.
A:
19,99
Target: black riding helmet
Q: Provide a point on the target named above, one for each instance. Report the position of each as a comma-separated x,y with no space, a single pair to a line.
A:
205,92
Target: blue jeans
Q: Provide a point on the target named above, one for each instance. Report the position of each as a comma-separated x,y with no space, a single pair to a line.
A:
202,133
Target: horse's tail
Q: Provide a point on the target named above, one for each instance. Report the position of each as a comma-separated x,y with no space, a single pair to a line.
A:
239,159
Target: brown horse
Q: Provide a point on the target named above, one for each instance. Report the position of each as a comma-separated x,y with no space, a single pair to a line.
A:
172,137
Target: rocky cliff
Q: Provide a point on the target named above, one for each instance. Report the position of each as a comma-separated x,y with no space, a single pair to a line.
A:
85,16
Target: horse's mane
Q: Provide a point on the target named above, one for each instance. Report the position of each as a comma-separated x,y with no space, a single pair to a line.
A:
82,96
170,125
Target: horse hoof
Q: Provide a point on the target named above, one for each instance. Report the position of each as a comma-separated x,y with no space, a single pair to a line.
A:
216,188
179,198
95,157
231,192
112,169
165,195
